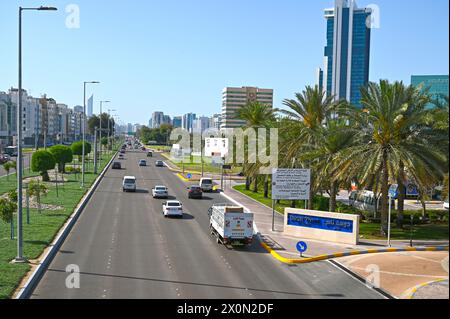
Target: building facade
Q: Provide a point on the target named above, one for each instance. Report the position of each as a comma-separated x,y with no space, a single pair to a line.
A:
347,53
234,98
188,121
177,121
437,86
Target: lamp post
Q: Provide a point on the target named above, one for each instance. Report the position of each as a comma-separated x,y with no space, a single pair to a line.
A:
389,220
83,168
101,128
20,258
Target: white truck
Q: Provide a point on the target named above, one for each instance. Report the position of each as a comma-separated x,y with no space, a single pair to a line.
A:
231,224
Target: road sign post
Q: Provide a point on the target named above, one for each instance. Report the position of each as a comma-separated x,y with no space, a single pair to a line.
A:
289,184
301,247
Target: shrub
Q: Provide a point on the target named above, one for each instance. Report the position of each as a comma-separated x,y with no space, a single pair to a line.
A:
62,154
77,148
41,162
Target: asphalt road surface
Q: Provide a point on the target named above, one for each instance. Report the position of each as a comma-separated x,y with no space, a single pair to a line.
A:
125,248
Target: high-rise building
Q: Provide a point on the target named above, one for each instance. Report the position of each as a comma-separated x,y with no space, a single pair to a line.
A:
90,106
347,53
437,85
177,121
214,121
167,120
157,119
235,98
188,121
129,128
200,124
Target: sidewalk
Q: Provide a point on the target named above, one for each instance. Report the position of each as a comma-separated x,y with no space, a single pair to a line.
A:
399,271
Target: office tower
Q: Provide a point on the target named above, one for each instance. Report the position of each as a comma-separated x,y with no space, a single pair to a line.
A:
188,121
157,119
347,54
234,98
177,121
437,86
90,106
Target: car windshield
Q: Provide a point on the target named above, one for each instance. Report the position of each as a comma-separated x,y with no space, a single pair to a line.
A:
173,204
129,181
207,181
160,188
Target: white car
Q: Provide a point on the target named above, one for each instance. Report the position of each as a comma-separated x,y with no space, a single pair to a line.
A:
129,183
172,208
160,192
446,204
206,184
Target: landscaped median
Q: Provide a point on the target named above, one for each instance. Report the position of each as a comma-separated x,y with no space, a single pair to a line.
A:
43,226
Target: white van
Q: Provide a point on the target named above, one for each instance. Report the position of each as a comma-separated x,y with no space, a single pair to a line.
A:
129,183
206,184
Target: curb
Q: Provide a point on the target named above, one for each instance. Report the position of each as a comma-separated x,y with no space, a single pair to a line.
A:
30,285
356,276
412,291
347,253
258,202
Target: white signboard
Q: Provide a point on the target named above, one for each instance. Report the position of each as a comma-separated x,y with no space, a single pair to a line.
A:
291,184
216,145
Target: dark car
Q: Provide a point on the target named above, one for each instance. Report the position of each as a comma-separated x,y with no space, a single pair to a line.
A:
159,164
195,191
116,165
3,159
150,154
122,151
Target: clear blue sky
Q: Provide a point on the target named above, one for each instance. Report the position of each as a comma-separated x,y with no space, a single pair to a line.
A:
177,55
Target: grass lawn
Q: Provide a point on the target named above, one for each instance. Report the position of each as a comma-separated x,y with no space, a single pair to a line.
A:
433,231
197,167
41,230
160,147
8,183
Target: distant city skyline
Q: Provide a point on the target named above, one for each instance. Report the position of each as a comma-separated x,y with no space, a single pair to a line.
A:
184,63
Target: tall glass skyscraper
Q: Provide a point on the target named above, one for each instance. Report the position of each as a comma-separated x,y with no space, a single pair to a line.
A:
437,86
347,54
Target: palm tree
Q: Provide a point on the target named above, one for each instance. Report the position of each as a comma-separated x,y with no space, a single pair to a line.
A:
256,115
389,133
307,115
332,139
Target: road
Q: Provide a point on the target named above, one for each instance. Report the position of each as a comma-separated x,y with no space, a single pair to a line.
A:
125,248
26,160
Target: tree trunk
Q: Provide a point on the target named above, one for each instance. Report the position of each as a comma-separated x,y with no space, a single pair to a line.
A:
266,186
384,197
255,185
294,204
248,181
45,177
332,205
401,195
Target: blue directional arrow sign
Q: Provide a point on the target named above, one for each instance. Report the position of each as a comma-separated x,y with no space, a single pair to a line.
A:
301,246
189,175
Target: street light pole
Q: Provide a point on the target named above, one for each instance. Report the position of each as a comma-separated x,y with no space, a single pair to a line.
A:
83,168
20,258
389,220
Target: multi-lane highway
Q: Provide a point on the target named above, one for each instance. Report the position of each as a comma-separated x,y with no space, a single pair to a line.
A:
125,248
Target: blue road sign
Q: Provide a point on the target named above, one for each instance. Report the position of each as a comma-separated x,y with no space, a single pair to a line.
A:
189,175
301,246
